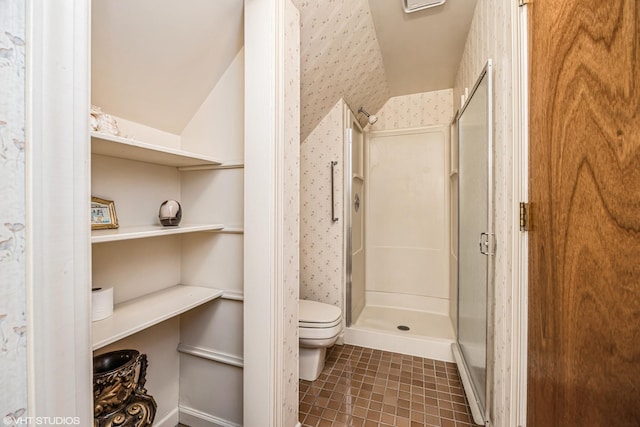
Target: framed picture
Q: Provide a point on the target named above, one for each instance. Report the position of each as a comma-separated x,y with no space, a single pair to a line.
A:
103,214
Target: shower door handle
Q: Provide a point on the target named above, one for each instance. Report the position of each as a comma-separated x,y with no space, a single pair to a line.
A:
484,244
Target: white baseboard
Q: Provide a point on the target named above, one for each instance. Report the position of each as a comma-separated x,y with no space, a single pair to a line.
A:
194,418
170,420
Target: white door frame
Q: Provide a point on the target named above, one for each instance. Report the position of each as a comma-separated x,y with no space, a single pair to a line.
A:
58,194
520,241
264,232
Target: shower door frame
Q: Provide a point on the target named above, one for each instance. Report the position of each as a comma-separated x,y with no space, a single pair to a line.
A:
481,409
349,120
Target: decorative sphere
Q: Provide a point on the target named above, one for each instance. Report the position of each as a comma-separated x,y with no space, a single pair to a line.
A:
170,213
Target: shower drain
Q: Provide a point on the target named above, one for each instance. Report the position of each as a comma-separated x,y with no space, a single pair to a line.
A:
403,327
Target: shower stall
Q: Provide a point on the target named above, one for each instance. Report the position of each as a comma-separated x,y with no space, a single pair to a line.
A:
397,220
381,237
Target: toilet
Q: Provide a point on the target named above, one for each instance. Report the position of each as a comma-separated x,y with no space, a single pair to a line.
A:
320,326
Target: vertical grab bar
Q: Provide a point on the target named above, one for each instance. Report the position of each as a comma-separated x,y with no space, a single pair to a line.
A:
333,205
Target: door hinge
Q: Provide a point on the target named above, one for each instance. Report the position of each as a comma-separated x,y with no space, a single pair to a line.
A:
525,217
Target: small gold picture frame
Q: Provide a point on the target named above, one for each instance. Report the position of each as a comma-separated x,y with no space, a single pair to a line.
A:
103,214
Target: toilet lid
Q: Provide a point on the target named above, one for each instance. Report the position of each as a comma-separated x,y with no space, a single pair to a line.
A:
310,312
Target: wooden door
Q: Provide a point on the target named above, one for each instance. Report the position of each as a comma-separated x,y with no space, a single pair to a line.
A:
584,273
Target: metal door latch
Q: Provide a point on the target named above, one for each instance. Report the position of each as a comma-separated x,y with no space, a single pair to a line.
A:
485,249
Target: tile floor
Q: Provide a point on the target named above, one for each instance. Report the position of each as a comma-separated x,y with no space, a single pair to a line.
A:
365,387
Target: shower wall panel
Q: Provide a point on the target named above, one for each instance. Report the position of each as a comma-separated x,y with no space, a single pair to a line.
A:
407,225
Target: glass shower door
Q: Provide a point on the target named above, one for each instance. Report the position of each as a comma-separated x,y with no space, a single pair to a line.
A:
475,240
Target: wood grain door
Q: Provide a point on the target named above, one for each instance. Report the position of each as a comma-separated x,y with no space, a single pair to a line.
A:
584,274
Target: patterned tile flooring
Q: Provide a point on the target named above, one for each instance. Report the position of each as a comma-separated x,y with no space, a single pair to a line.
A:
365,387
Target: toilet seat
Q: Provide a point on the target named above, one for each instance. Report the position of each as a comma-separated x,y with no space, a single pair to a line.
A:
319,333
313,314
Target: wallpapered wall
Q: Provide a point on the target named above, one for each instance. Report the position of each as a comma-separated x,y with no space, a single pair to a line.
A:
340,58
13,330
420,109
490,37
321,240
291,210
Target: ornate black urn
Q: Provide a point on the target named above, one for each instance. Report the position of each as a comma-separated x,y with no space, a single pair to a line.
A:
119,396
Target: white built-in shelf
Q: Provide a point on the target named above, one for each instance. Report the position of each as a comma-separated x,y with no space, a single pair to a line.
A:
124,148
140,313
146,231
225,165
230,230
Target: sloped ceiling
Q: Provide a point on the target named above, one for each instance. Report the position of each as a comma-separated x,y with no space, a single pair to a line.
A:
340,58
421,50
155,61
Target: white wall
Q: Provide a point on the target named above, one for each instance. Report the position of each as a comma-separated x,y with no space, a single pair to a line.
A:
211,336
13,333
490,36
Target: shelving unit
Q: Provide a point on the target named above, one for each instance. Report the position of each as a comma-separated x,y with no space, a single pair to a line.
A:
146,231
175,287
140,313
124,148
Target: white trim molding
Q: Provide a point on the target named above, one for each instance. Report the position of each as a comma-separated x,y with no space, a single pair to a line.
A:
58,194
519,245
194,418
263,213
212,355
170,420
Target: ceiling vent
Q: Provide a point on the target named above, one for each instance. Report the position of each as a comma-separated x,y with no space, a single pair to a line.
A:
415,5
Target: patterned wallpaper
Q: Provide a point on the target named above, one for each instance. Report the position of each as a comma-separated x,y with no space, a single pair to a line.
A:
13,330
490,37
340,58
291,211
420,109
321,240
